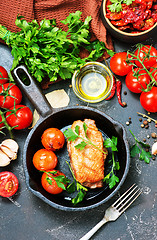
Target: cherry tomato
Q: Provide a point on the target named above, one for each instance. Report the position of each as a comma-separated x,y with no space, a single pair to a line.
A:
8,184
53,139
149,100
9,93
3,75
1,124
22,119
136,80
48,182
153,69
118,64
147,54
44,160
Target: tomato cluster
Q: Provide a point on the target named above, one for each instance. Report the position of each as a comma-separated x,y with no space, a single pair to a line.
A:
45,160
140,69
15,114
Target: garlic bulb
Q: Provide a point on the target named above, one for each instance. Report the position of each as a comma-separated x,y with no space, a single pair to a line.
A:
8,151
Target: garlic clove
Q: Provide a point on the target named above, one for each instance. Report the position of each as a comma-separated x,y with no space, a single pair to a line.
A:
154,148
12,155
4,159
11,144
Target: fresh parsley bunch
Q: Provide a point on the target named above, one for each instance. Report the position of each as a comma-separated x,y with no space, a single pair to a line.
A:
48,51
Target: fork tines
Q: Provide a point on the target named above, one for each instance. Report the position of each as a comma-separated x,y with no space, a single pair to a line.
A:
127,198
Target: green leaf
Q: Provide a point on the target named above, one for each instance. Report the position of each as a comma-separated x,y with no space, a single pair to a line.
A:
111,143
80,196
71,187
70,135
81,145
145,156
134,150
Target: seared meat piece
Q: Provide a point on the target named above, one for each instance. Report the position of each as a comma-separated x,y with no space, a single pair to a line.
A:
88,164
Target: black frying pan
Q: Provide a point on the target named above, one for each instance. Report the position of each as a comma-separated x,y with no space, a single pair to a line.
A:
63,119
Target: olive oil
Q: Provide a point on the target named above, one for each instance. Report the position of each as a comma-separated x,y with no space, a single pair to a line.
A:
93,84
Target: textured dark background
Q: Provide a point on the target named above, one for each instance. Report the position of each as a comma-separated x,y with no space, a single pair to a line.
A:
26,217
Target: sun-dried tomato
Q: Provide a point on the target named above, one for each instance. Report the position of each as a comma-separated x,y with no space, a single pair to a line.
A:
148,24
141,15
119,23
114,16
154,15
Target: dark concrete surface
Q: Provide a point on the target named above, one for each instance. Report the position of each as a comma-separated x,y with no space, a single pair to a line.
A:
25,217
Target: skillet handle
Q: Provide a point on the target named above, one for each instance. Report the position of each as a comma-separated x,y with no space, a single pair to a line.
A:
32,91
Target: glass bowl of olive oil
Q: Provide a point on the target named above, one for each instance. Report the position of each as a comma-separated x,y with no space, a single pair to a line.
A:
92,82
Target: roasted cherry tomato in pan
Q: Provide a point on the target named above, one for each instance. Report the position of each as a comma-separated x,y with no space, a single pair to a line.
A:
147,54
50,184
136,80
118,64
9,94
53,139
8,184
44,160
3,75
21,119
149,100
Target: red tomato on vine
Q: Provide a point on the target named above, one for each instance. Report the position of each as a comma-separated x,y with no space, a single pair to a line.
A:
147,54
21,119
153,70
9,94
118,64
3,75
136,80
149,100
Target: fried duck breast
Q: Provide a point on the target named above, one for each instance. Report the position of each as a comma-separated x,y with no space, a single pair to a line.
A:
88,164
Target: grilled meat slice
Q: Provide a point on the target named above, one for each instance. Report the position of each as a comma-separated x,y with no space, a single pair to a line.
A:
88,164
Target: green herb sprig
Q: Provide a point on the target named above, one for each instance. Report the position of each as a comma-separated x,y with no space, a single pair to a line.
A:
116,5
139,149
76,186
111,178
61,180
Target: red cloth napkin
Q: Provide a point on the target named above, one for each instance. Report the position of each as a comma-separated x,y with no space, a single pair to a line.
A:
58,9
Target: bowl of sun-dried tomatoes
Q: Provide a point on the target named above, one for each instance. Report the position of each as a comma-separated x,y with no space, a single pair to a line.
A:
130,20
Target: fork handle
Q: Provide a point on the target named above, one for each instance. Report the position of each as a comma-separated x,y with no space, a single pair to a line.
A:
94,229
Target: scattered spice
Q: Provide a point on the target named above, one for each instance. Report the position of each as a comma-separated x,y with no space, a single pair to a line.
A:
140,119
145,122
153,135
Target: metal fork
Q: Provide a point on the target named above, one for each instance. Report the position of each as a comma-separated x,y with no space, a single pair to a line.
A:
116,209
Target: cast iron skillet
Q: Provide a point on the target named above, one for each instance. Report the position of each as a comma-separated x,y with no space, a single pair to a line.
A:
63,119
